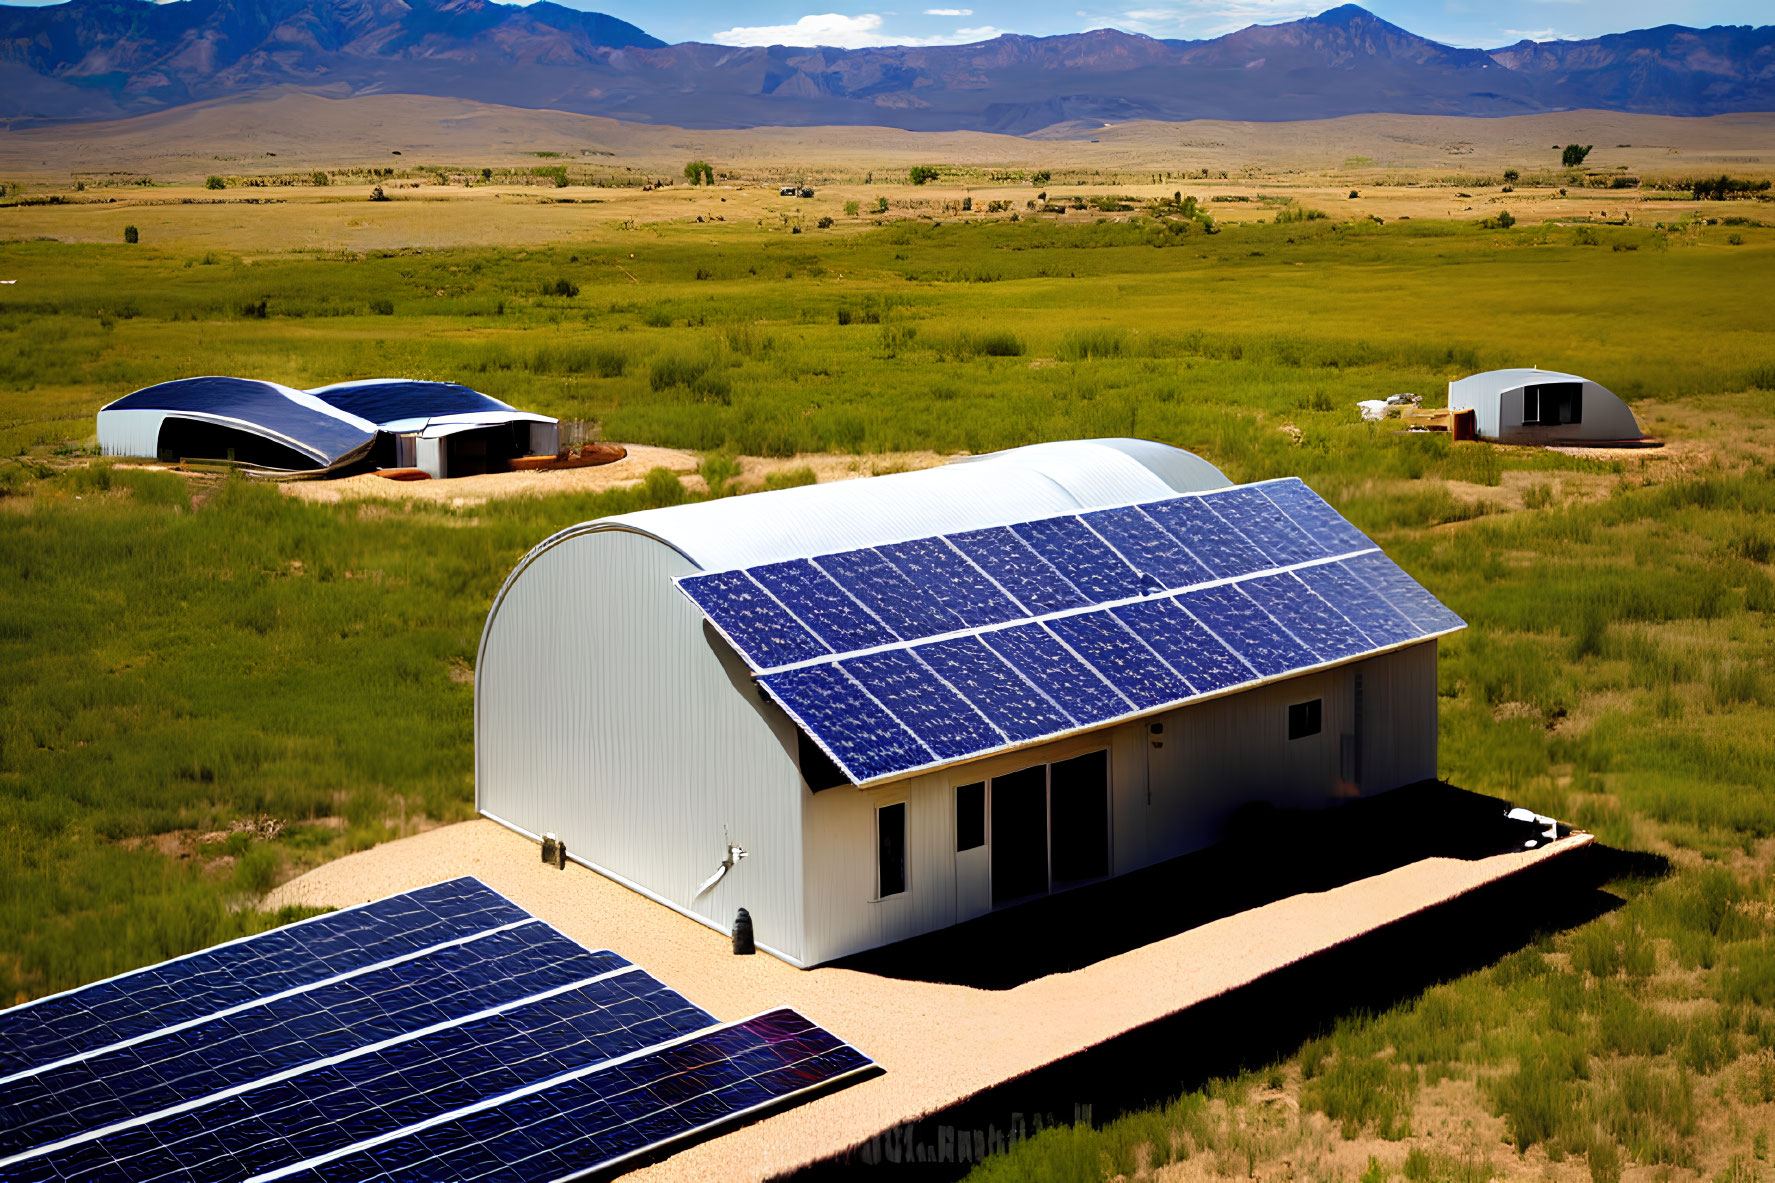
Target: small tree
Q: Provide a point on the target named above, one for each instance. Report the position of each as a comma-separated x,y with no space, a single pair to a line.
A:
561,179
1572,156
698,172
377,194
215,183
319,178
131,234
1506,220
1041,178
486,174
922,174
881,205
1511,176
967,205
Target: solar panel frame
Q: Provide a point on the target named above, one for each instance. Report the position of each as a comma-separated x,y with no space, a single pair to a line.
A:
101,1013
821,606
815,695
1008,561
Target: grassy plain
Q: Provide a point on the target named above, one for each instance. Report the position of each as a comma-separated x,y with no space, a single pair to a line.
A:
210,684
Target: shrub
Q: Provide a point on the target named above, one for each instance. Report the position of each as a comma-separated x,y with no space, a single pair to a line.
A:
131,234
382,307
881,205
963,346
1085,344
967,205
1511,176
824,223
319,177
675,369
850,209
1294,212
844,316
561,287
698,172
1572,155
1041,178
214,183
1354,194
377,194
923,174
790,478
1359,1091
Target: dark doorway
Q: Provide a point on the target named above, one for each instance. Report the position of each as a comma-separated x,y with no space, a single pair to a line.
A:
1079,807
1020,834
1553,404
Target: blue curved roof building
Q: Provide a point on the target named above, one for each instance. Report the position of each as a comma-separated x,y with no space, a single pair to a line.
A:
443,427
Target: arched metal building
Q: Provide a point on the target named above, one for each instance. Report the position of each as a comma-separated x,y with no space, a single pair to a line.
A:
1543,407
911,699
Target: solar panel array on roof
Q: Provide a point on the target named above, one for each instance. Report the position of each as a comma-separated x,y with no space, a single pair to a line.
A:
907,656
444,1034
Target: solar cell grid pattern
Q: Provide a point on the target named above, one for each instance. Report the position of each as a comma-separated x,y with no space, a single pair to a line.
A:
905,656
442,1034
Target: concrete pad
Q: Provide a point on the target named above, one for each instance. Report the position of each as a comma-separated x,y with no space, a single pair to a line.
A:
938,1043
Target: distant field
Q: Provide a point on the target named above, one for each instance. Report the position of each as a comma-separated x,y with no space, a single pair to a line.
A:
210,685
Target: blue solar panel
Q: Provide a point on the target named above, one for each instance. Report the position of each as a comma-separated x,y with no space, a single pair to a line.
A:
302,1084
1013,566
1273,533
822,605
1362,604
1310,512
957,584
996,690
1035,653
910,610
602,1116
1208,537
1192,602
1147,547
325,1107
1320,627
935,713
1082,557
1247,630
1123,660
264,408
864,739
1402,592
297,955
1186,646
171,1067
757,625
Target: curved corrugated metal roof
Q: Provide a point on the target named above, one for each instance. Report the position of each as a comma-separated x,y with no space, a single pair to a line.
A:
1018,485
290,417
404,404
1512,378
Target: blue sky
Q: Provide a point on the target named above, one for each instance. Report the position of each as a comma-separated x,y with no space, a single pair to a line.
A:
1483,23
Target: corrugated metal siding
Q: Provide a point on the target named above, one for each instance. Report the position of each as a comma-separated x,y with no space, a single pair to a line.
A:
130,433
604,714
1399,718
1495,398
1013,486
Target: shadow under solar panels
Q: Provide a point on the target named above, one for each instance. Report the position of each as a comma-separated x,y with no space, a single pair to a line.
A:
400,1051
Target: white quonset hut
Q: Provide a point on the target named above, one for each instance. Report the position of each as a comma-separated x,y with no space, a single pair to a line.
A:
1543,407
914,698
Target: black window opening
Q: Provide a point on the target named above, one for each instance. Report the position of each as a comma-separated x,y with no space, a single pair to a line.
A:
1050,827
970,816
1553,404
1304,719
890,849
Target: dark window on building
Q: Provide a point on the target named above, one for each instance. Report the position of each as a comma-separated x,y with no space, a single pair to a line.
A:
1303,719
970,815
890,849
817,768
1553,404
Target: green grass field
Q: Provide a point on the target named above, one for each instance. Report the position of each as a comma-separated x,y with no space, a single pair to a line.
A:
209,685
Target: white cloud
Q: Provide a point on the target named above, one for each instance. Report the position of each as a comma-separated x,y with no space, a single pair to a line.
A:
844,32
949,12
1213,18
1537,34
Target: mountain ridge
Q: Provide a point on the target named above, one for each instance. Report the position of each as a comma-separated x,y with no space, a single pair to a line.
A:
105,59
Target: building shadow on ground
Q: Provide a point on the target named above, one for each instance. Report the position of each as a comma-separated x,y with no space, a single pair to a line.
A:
1269,854
1267,1020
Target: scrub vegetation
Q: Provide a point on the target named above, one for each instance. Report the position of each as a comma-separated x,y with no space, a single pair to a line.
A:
210,685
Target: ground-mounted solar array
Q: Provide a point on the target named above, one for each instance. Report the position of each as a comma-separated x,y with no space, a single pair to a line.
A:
914,654
443,1034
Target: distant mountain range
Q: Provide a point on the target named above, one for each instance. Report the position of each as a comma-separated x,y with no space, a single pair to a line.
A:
104,59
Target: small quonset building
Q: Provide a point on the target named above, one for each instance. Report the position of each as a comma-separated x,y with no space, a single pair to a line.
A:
442,427
1543,407
912,699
